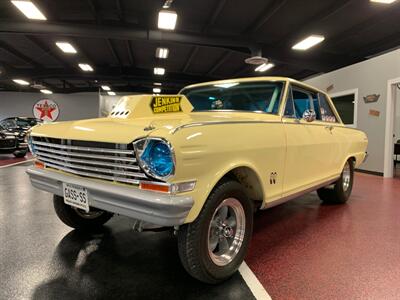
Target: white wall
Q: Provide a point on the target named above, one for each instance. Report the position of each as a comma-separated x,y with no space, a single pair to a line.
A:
72,106
397,122
370,77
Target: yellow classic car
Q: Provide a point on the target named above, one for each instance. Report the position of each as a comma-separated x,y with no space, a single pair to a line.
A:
201,161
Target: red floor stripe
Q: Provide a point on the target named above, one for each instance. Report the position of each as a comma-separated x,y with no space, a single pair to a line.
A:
305,250
9,159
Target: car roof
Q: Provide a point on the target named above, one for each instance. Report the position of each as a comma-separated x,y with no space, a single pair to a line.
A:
248,79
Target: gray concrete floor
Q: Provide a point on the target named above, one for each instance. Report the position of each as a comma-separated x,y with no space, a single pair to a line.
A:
41,258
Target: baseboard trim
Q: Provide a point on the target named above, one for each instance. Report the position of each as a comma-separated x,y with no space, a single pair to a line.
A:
369,172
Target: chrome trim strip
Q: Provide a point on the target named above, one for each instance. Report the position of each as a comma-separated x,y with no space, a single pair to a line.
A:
100,170
89,162
93,175
298,194
173,131
88,149
104,157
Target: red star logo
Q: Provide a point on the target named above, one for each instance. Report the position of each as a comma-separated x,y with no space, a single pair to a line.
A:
45,111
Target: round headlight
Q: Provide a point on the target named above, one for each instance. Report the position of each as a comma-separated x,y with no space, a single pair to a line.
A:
157,159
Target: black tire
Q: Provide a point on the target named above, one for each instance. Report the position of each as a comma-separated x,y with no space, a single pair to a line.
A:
338,194
20,154
193,237
73,218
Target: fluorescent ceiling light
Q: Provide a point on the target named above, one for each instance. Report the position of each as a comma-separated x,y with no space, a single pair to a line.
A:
156,90
167,19
264,67
384,1
226,85
157,83
162,52
66,47
21,82
86,67
106,88
29,9
159,71
48,92
111,93
309,42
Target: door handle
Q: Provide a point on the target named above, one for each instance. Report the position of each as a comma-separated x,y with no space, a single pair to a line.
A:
329,127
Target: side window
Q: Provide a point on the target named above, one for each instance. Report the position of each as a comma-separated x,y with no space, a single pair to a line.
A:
301,101
316,106
327,114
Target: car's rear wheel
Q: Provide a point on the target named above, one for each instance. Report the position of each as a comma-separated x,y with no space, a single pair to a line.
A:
78,218
213,246
342,188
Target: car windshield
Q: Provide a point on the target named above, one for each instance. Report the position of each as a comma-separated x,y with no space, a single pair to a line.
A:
258,96
26,122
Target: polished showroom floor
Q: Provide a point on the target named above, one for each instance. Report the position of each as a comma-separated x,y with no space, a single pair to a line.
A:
300,250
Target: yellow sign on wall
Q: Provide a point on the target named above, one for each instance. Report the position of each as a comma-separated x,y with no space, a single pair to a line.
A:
166,104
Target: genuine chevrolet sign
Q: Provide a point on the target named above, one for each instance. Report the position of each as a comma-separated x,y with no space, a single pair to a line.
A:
166,104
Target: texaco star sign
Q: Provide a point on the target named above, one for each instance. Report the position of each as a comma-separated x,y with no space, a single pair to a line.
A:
46,110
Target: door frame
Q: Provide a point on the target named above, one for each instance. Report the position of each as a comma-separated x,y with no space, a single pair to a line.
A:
389,126
345,93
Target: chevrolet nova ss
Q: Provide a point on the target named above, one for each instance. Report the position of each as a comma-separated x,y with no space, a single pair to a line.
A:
201,161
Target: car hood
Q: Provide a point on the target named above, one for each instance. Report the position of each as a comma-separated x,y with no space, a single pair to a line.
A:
128,122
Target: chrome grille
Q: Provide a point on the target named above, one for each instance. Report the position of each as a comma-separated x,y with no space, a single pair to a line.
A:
107,161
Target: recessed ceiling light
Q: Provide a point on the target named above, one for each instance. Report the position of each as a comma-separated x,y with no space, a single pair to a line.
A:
106,88
162,52
264,67
156,90
384,1
158,83
86,67
111,93
66,47
226,85
21,82
308,42
48,92
29,9
167,19
159,71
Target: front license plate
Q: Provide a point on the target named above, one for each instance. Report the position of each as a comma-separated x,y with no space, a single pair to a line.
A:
76,196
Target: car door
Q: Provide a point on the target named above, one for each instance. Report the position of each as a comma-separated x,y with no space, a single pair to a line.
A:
310,154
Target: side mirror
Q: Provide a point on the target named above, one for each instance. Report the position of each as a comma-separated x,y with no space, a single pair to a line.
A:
309,115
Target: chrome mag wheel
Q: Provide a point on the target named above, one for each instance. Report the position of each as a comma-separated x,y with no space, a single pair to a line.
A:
346,176
226,231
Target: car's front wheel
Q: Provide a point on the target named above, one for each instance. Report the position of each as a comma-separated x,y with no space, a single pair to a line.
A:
342,188
77,218
213,246
20,154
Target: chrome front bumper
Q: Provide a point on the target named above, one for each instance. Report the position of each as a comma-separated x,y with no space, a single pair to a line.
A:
151,207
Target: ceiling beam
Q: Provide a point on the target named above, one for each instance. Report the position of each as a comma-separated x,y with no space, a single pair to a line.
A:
220,62
51,52
114,53
189,60
265,16
130,53
18,54
308,27
216,12
241,43
120,11
94,8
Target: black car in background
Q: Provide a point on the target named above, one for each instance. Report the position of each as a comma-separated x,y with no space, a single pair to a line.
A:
12,135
